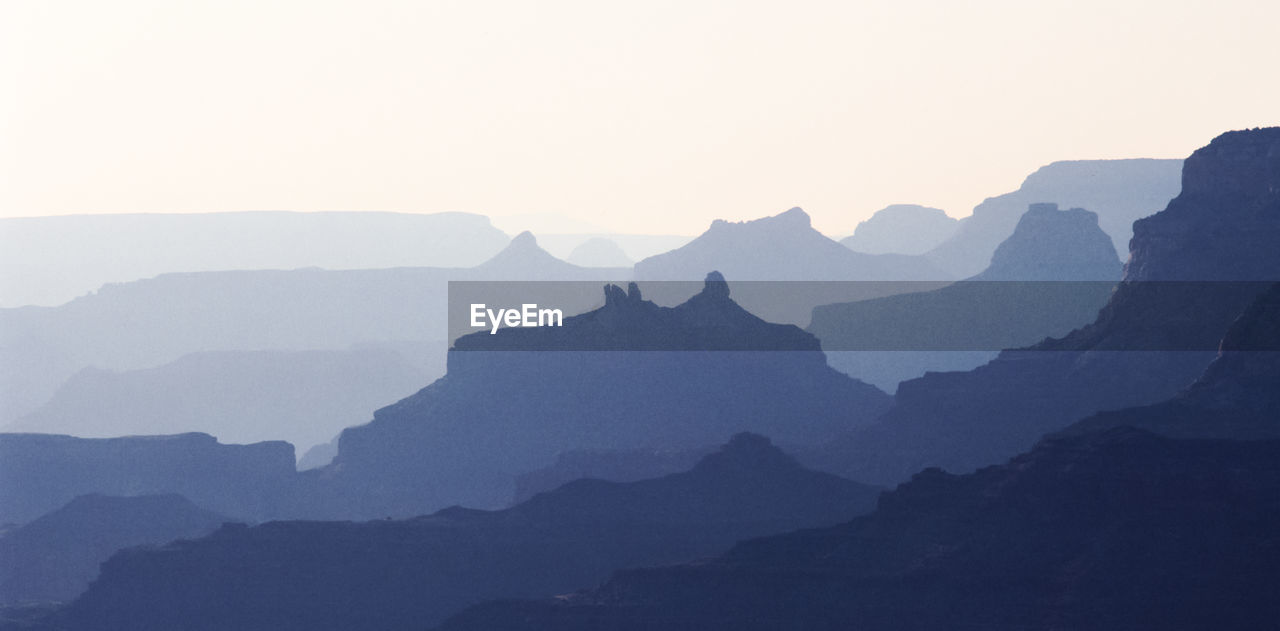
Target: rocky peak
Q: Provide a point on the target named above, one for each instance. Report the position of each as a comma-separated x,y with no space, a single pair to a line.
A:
747,452
1225,224
1052,244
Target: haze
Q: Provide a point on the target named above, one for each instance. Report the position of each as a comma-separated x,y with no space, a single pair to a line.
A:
652,117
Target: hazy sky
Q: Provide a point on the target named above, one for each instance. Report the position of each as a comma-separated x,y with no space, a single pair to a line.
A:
645,116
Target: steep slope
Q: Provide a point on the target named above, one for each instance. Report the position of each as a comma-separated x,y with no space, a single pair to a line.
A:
56,556
1119,191
40,472
629,374
1167,330
901,229
410,574
1120,530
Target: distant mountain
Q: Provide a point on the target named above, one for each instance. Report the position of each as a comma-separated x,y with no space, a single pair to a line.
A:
599,252
148,323
304,397
1050,276
41,472
629,374
902,229
1120,530
782,247
1166,330
50,260
410,574
1119,191
56,556
614,465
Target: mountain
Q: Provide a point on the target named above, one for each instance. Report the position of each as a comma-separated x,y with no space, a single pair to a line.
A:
629,374
56,556
1050,276
41,472
782,247
1119,191
1168,331
1119,530
50,260
147,323
1235,398
304,397
410,574
599,252
614,465
901,229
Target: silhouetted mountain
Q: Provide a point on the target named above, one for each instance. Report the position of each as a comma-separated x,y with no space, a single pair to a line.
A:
1050,276
782,247
639,375
1236,398
614,465
410,574
599,252
1120,530
50,260
147,323
901,229
1119,191
304,397
54,557
960,421
40,472
1050,244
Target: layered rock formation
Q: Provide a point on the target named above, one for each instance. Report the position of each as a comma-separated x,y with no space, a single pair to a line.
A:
1119,191
1106,531
410,574
629,374
41,472
961,421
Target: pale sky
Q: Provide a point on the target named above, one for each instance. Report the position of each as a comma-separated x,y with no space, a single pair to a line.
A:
645,116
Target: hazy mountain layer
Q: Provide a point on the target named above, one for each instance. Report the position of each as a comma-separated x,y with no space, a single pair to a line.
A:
56,556
410,574
901,229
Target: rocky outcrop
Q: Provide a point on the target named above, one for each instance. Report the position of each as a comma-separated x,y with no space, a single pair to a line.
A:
41,472
614,465
961,421
1054,245
1119,191
629,374
901,229
1116,530
410,574
56,556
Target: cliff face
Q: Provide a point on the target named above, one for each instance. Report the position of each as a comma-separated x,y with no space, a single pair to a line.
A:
1116,530
632,374
1050,244
961,421
1119,191
410,574
41,472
